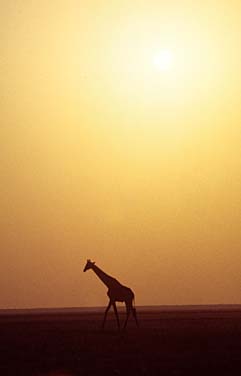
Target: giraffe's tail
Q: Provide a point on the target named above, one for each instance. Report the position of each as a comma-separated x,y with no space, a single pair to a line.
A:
134,310
134,302
133,299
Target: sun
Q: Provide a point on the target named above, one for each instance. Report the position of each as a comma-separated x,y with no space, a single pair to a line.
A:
163,60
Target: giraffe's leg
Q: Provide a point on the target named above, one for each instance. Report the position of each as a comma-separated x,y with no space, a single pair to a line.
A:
128,308
116,315
106,311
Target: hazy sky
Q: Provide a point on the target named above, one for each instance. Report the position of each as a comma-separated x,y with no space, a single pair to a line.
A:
105,155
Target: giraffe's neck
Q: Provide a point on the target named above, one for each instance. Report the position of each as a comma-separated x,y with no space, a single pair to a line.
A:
105,278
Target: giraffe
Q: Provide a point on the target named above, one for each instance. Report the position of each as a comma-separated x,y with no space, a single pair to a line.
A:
116,293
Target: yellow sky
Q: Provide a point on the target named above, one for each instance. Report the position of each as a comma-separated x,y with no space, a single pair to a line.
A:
104,156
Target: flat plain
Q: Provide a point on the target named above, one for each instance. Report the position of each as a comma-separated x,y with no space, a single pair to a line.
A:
169,341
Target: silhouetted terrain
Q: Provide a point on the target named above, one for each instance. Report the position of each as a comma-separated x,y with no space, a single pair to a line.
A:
170,341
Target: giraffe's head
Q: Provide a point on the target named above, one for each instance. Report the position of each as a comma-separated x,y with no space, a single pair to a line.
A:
88,265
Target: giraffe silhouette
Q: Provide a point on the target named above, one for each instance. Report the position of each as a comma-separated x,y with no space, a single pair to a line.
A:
116,293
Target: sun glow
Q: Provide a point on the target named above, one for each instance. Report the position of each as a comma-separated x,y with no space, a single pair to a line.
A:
163,60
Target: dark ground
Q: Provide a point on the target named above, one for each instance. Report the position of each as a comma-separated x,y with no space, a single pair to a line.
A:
193,342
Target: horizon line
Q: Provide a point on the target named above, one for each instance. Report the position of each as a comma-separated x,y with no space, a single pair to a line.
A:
91,308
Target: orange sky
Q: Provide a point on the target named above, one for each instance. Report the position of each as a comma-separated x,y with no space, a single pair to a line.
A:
102,156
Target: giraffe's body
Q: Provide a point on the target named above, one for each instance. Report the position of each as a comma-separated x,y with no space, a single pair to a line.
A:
116,293
121,293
